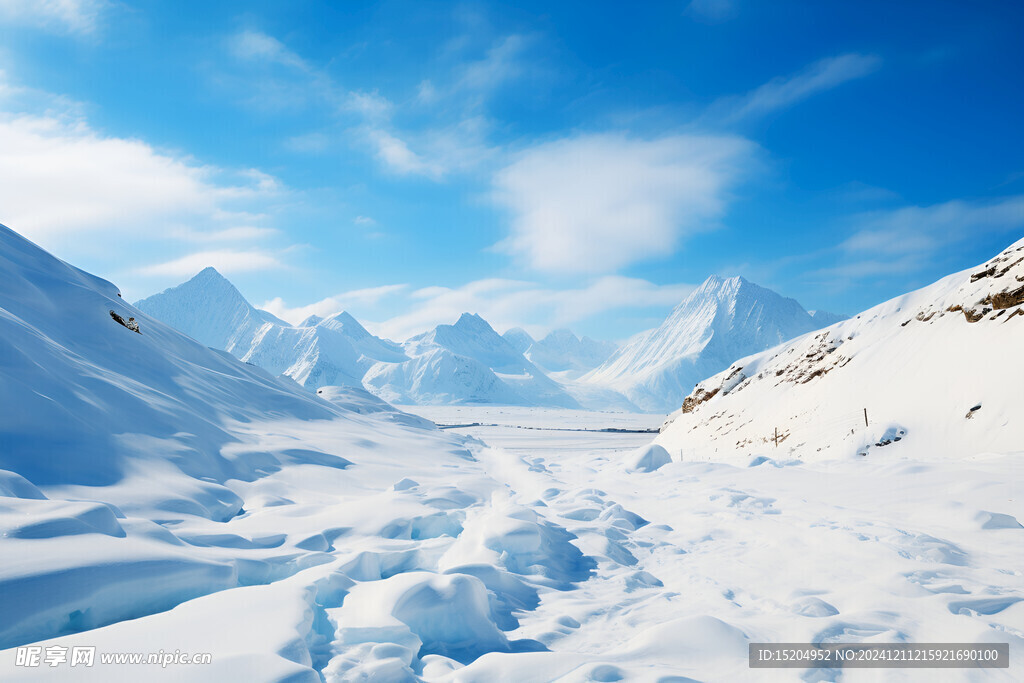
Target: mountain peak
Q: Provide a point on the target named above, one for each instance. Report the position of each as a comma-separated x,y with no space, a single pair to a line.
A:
209,274
472,321
209,309
344,321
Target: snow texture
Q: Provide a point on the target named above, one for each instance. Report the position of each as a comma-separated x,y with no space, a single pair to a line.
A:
157,494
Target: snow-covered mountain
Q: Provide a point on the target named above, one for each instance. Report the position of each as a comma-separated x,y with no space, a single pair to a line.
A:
320,352
211,310
722,320
932,374
467,362
561,351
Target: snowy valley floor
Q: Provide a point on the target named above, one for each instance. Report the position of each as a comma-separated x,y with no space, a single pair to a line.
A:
525,555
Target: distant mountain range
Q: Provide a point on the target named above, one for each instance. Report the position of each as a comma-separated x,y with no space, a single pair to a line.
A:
470,363
561,352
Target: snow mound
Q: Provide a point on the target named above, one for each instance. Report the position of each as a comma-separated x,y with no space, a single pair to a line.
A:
422,613
516,538
648,458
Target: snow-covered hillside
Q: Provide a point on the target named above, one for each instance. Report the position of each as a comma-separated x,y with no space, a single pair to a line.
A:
935,373
722,320
467,362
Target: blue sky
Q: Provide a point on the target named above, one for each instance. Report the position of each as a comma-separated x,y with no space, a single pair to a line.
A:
543,164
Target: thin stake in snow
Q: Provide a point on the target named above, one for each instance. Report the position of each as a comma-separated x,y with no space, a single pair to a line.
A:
865,417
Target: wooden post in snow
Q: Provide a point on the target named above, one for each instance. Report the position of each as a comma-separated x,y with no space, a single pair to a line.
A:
776,437
865,417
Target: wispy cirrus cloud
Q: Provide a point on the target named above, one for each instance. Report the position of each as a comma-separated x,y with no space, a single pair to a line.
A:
451,131
907,239
598,203
785,91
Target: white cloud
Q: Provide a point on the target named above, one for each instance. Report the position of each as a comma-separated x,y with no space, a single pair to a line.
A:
372,105
598,203
59,176
904,240
929,228
397,156
112,204
258,46
333,304
65,16
225,260
240,233
782,92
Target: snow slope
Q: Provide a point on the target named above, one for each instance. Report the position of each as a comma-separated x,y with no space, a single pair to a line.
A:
319,352
152,488
467,362
722,320
937,371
